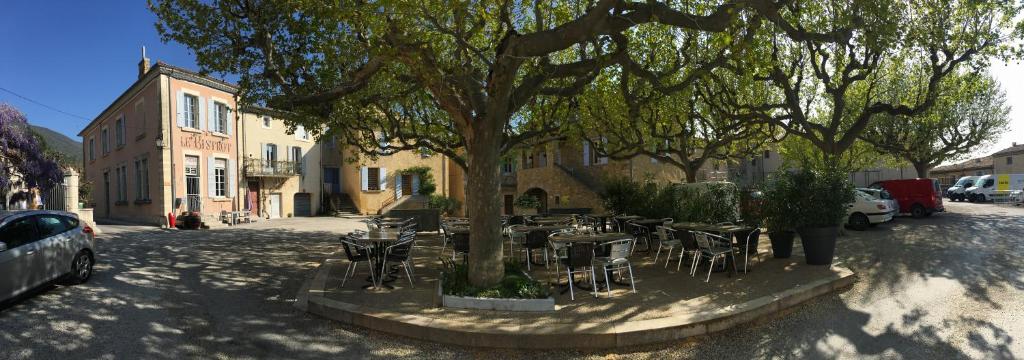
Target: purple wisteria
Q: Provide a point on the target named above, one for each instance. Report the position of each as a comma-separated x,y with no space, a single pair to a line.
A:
22,159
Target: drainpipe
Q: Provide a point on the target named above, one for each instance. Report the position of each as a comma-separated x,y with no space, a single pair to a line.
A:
170,142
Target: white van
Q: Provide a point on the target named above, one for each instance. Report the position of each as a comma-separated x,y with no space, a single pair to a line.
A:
987,186
956,192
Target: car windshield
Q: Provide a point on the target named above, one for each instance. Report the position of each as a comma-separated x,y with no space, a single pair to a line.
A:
980,181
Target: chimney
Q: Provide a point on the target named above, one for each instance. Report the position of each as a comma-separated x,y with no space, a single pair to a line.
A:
1014,143
144,64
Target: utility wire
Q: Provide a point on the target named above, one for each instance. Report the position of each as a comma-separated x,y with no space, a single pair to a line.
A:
44,105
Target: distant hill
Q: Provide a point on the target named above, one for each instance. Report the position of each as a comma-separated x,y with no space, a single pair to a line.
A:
60,143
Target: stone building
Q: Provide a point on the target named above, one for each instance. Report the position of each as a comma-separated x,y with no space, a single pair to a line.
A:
1009,160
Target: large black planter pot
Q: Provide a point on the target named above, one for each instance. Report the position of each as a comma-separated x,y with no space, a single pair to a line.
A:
782,243
819,244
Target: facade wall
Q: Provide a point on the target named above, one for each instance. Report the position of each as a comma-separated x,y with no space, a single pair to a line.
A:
1008,163
205,144
141,111
372,201
756,170
254,137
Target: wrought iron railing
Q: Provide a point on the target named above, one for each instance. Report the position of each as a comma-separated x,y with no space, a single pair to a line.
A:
271,168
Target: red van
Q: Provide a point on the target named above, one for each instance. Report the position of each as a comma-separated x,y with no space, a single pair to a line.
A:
917,197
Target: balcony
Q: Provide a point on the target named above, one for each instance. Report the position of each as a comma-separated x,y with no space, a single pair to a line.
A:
269,168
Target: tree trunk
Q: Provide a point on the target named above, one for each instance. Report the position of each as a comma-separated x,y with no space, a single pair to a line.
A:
486,267
922,170
691,175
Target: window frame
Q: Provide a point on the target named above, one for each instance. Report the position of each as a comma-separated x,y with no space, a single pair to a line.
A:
92,148
267,122
220,120
220,177
373,179
119,132
191,110
105,140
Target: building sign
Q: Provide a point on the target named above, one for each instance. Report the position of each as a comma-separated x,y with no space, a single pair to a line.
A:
200,142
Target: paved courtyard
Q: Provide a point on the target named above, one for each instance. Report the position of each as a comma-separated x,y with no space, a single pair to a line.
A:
945,287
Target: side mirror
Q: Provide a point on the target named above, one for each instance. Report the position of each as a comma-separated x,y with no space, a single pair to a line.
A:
3,247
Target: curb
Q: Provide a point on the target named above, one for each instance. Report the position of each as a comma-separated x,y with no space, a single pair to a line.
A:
560,336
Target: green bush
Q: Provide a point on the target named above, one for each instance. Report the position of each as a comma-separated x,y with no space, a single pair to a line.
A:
808,198
427,184
515,285
711,202
527,202
446,205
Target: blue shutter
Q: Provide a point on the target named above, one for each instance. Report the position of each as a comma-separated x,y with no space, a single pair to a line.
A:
364,178
211,180
398,186
415,184
202,111
229,123
232,184
181,108
586,153
211,115
383,178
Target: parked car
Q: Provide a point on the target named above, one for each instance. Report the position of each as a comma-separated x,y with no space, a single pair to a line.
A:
866,211
957,192
916,197
988,186
882,194
39,246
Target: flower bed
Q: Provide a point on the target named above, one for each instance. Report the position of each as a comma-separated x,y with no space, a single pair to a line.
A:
517,291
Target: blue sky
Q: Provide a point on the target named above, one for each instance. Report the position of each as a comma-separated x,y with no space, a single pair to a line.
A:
78,56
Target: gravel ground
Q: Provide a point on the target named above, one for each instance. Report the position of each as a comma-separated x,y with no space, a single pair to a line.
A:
944,287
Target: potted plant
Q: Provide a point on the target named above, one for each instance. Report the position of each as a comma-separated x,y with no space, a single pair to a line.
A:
526,205
778,214
820,201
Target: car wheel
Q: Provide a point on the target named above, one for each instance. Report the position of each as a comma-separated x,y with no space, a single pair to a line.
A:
859,222
81,268
918,211
972,198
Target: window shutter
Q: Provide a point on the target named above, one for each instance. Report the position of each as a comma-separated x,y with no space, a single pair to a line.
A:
383,178
398,186
263,150
298,132
211,180
202,111
302,162
363,177
232,184
211,115
415,184
586,153
181,108
229,123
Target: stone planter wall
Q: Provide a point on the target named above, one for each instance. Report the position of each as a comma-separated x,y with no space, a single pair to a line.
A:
525,305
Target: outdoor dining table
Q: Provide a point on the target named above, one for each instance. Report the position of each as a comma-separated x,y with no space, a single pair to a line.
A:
550,221
546,228
378,241
620,219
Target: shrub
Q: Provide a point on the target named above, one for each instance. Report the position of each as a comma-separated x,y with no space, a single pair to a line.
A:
515,285
446,205
778,209
427,184
807,198
527,202
711,202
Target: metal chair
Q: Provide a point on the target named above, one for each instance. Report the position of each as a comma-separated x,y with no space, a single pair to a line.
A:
712,247
579,256
666,238
446,234
460,245
617,259
400,252
639,232
356,253
536,239
686,237
750,246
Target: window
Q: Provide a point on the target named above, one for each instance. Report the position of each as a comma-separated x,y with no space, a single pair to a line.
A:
270,152
373,179
119,131
191,111
297,158
122,183
140,119
219,123
507,167
50,225
142,179
266,122
220,177
192,165
301,133
1009,160
19,232
105,140
92,149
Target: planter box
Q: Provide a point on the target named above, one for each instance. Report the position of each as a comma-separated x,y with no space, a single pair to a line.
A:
524,305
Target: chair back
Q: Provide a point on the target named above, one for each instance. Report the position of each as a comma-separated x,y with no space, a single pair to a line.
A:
460,242
689,240
619,249
517,220
665,234
703,242
373,225
580,254
639,230
667,221
536,239
752,238
402,249
351,248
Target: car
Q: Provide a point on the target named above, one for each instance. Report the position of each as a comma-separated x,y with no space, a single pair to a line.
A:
867,211
881,194
916,197
39,246
957,191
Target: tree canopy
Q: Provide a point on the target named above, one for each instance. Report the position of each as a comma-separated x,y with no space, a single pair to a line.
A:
23,161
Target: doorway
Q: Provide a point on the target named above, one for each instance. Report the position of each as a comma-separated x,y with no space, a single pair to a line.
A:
252,200
542,197
192,199
275,205
407,184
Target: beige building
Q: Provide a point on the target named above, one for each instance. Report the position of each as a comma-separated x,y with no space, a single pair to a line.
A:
281,167
949,174
377,185
755,170
1009,160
